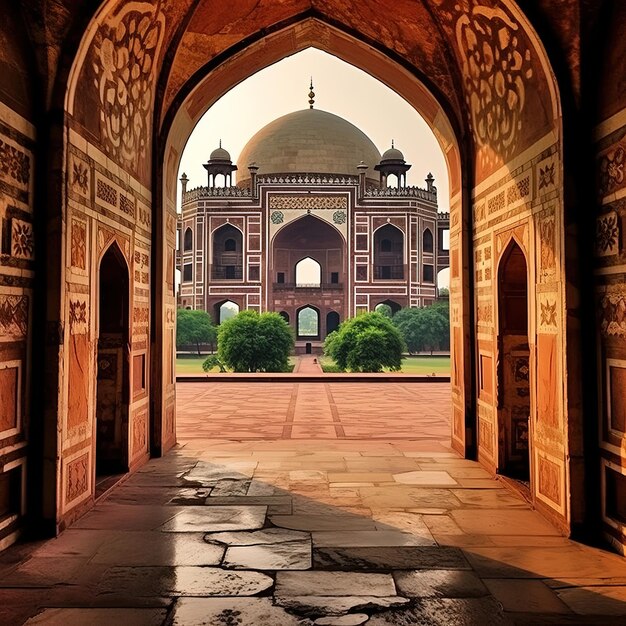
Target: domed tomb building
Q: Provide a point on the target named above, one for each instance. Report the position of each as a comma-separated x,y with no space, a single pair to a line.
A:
311,230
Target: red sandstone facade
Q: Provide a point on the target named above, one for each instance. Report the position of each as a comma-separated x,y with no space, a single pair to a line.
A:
373,244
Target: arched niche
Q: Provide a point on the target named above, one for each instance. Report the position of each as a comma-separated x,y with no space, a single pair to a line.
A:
188,240
427,241
227,257
333,319
389,253
514,375
311,238
113,371
308,322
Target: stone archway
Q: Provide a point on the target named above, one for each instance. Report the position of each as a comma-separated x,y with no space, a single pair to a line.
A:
512,173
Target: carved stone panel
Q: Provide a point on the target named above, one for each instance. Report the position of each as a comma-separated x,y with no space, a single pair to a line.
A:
77,477
22,241
547,246
549,480
607,234
547,368
13,317
10,392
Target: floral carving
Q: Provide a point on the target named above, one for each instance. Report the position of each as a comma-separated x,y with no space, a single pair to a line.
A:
612,312
548,313
547,176
546,237
14,163
78,315
607,233
13,316
22,243
612,169
496,61
277,217
126,53
77,481
339,217
80,177
79,243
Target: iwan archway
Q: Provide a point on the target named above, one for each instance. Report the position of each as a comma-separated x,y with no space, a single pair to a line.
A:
504,177
317,33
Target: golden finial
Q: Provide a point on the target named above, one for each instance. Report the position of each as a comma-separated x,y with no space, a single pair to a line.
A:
311,95
392,143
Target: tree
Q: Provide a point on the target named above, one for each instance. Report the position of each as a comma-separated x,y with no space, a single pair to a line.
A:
442,306
366,343
444,292
194,328
253,342
421,329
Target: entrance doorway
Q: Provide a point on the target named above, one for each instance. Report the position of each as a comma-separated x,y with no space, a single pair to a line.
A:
112,389
514,366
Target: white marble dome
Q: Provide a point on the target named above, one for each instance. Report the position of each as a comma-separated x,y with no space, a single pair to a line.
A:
309,141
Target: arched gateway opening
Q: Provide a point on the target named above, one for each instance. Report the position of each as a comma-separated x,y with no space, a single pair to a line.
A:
112,386
503,179
514,375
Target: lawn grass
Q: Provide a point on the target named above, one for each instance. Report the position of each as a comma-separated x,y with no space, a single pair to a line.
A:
192,364
421,365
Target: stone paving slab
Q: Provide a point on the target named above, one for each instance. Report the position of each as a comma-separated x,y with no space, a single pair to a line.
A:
242,503
98,617
217,518
232,612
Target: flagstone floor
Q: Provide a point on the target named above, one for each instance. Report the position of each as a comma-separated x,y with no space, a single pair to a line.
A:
311,504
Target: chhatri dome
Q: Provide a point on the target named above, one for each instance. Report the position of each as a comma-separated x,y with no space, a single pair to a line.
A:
309,141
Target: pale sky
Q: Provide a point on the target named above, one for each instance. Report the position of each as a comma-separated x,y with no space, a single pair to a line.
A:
339,88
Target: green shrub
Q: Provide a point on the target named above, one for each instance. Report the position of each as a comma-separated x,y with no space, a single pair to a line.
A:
366,343
253,342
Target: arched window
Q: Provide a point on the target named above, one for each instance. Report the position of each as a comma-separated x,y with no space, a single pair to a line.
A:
308,273
389,253
227,310
285,316
427,241
388,308
332,322
308,322
227,253
188,240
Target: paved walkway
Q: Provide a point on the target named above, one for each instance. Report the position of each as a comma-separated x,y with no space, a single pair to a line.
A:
288,410
246,530
307,364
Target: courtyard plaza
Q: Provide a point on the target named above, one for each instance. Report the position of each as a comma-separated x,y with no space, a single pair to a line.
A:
311,503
